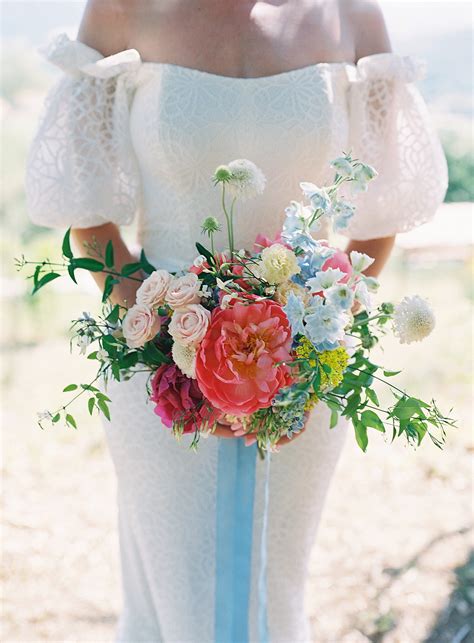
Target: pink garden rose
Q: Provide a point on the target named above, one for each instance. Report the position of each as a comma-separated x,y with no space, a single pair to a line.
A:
189,324
178,399
183,291
236,365
140,324
153,290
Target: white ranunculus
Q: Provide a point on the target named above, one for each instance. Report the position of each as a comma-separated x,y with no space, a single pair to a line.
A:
153,290
360,261
277,264
189,325
246,180
413,319
140,325
185,359
183,291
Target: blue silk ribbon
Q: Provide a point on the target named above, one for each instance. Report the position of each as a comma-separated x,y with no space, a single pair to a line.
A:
236,465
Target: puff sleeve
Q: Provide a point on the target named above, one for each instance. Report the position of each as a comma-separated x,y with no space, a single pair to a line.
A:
81,169
390,129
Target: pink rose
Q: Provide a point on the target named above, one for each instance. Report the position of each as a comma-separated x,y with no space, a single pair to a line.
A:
140,325
189,325
239,362
179,400
153,290
183,291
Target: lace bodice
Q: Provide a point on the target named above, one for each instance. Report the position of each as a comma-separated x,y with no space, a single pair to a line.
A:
121,138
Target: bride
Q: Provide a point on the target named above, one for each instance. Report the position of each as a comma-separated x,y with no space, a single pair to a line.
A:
155,95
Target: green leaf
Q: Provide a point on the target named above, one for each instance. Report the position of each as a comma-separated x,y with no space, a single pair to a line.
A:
334,418
70,387
108,287
406,408
205,253
353,403
71,421
91,404
372,395
45,279
92,355
369,418
89,387
326,368
114,314
36,275
391,373
66,247
70,270
109,254
86,263
130,268
102,404
153,354
361,434
102,396
116,371
146,265
56,418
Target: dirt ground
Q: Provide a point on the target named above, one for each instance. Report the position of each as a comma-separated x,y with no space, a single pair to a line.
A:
392,561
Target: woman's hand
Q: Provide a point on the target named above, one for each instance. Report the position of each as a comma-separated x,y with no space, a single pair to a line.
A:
224,430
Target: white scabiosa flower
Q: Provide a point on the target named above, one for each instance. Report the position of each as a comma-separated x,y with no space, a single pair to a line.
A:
185,359
246,179
277,264
413,319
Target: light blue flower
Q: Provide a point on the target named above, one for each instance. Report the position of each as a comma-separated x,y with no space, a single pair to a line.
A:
312,260
324,322
342,214
324,279
318,197
341,296
295,310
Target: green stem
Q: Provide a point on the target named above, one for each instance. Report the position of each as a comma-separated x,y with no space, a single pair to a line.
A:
229,222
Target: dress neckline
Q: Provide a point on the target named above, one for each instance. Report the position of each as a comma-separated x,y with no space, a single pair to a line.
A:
278,75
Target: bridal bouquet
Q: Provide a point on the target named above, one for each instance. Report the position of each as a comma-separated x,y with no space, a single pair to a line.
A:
254,338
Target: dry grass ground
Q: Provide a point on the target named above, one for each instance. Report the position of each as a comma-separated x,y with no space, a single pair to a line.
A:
395,530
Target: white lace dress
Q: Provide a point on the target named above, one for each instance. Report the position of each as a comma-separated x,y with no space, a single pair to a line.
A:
121,138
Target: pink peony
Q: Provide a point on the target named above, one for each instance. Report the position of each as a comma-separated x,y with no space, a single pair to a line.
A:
261,242
178,399
237,362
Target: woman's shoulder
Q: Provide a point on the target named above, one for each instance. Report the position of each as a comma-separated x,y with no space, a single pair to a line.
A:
365,20
106,24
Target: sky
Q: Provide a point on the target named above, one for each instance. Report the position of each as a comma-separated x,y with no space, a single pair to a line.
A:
34,20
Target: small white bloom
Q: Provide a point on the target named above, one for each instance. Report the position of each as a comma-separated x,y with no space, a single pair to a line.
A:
360,261
83,341
413,319
324,279
227,300
102,355
362,295
185,359
43,415
198,262
246,180
372,283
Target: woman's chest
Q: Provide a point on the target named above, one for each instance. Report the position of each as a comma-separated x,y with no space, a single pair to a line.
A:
183,119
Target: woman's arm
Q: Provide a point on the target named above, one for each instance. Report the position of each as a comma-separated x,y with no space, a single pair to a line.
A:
379,249
370,37
124,293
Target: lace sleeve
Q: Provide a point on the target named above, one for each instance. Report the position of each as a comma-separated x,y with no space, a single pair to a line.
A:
390,129
81,169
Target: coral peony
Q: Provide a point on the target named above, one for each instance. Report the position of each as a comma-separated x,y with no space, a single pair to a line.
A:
178,399
238,362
